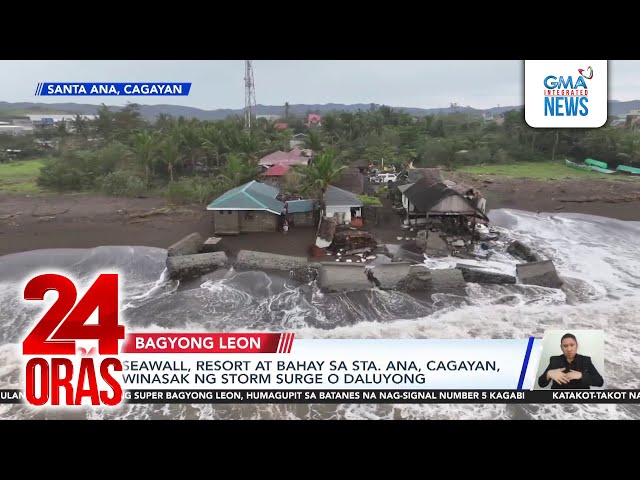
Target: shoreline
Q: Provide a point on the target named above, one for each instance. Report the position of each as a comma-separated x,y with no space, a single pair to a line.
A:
47,221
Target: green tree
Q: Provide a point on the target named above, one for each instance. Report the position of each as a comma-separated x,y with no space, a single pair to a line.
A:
171,154
144,149
238,171
323,171
314,140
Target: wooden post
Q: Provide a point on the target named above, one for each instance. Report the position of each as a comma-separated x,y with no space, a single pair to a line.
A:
473,231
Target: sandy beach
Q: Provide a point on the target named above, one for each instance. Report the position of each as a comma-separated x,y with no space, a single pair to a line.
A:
90,220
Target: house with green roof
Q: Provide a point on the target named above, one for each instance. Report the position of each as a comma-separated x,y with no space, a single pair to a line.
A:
251,207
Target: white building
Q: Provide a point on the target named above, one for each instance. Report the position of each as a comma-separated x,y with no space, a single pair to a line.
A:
45,118
16,129
342,205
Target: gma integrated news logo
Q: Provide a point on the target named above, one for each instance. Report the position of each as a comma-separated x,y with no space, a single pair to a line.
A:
61,372
565,93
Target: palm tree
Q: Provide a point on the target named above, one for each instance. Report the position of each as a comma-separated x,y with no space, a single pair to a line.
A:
171,153
238,171
314,140
144,149
80,125
323,171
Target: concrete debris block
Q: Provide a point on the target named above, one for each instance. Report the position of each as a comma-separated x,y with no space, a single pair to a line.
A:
212,244
458,243
537,257
248,259
520,250
187,246
539,273
447,280
189,266
342,277
306,273
417,279
390,275
476,275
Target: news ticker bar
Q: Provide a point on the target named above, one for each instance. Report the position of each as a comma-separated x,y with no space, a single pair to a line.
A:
362,396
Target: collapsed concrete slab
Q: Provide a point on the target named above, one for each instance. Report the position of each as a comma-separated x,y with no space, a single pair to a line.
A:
402,276
269,261
538,273
521,251
417,280
342,277
389,275
189,245
212,244
447,280
474,274
298,268
189,266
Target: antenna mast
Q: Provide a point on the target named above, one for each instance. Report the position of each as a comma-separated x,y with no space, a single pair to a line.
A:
249,94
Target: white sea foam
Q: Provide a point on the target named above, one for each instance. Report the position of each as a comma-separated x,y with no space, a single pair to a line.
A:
596,257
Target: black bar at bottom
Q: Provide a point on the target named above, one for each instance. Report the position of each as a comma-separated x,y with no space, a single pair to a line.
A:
363,396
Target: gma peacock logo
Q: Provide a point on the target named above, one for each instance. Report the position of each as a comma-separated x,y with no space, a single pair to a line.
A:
573,94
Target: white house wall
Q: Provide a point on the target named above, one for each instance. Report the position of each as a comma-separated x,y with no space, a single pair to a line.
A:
332,210
408,206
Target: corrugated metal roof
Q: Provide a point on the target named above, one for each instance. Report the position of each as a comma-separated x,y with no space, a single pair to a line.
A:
250,196
277,170
299,206
335,196
404,187
426,197
293,157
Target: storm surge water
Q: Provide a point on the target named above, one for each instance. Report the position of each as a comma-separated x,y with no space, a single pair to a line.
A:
596,257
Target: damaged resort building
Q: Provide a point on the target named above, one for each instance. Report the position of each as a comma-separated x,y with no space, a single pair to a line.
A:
350,244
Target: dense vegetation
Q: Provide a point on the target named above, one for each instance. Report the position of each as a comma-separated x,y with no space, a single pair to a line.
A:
194,161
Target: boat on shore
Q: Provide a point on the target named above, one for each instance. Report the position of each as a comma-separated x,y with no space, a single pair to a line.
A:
577,166
627,169
590,165
598,166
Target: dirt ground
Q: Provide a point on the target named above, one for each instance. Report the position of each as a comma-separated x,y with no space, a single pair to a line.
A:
614,199
85,221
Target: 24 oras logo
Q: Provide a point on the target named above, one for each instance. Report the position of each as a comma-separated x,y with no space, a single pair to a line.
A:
60,373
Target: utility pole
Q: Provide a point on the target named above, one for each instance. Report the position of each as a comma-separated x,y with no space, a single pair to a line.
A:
249,94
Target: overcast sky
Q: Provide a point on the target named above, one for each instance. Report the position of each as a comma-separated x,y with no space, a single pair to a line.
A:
220,83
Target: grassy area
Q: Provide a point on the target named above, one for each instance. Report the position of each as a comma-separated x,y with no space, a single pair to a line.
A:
540,171
368,200
20,176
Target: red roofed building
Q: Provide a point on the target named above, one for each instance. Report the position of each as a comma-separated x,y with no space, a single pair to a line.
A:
314,120
273,175
281,126
294,157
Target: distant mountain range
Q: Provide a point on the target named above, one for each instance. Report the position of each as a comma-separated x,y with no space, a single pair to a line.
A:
150,112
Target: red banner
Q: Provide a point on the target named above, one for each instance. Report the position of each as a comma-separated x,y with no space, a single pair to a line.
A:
208,343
